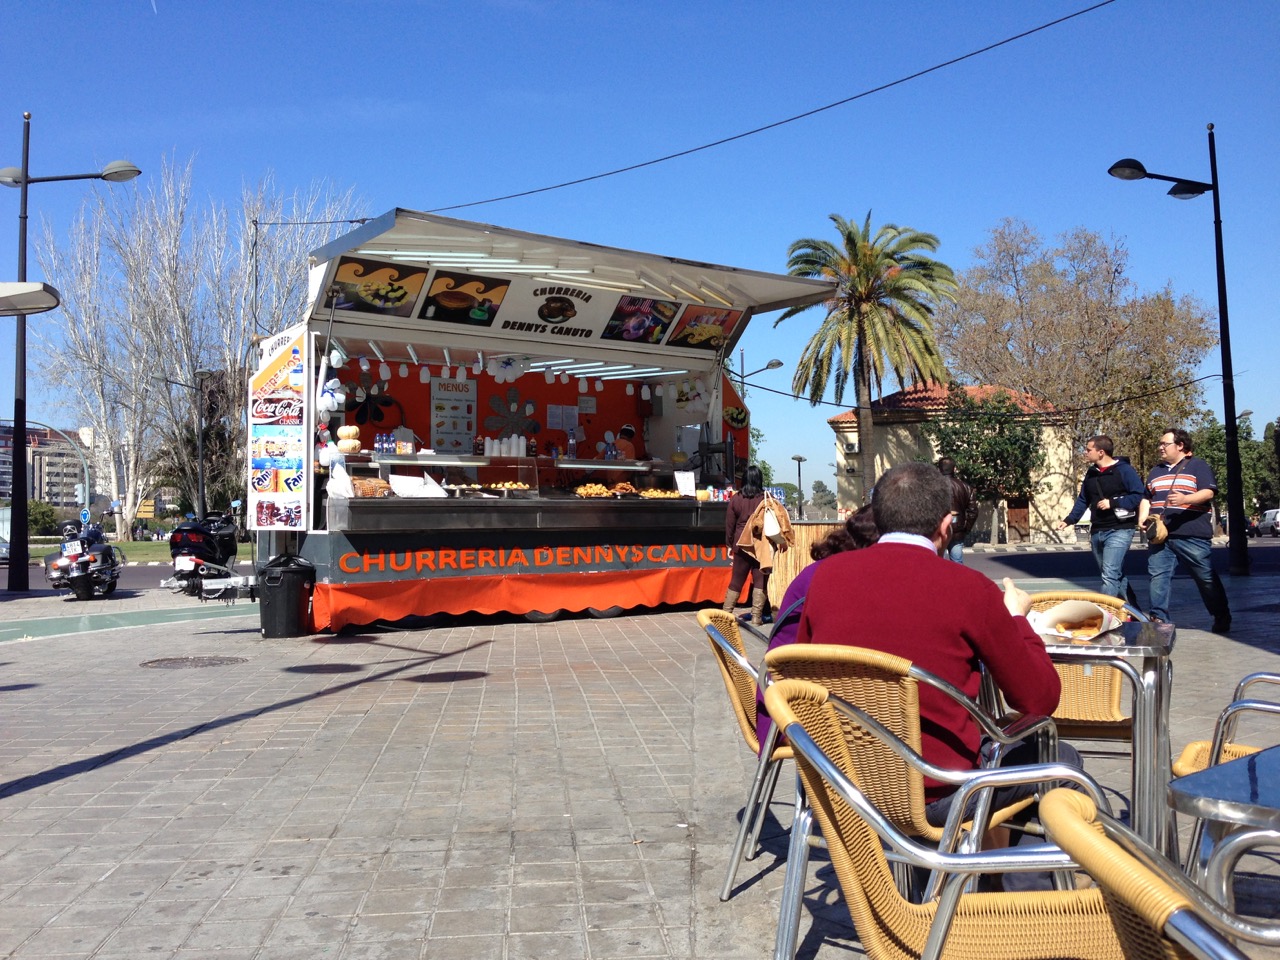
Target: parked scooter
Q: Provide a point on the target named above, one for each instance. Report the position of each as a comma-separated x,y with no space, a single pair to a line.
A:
85,564
203,550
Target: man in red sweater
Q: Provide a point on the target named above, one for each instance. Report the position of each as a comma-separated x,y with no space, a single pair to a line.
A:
901,597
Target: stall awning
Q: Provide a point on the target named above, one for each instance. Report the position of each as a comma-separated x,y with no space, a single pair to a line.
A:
417,287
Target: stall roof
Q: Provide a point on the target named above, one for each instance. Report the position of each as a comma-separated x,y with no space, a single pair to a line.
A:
416,286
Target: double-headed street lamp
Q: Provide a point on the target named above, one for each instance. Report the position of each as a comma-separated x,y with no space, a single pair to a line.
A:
116,172
799,487
1183,189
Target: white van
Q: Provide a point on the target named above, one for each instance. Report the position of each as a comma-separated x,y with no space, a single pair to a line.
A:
1269,524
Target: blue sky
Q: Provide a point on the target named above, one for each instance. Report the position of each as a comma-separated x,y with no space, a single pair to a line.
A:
429,103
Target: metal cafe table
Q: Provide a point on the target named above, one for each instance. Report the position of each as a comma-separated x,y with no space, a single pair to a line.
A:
1141,652
1240,804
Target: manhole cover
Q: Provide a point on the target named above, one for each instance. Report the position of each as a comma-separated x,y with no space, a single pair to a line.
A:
190,663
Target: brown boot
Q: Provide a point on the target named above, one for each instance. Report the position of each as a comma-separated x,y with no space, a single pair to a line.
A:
730,599
757,607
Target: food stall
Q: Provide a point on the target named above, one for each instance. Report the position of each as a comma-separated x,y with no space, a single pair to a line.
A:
472,418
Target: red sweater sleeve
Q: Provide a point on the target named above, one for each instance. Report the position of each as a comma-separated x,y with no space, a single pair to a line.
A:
1016,657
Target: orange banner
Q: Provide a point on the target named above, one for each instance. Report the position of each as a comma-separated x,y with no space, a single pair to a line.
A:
335,606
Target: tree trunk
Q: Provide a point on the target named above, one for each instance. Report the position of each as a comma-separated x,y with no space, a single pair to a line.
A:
866,429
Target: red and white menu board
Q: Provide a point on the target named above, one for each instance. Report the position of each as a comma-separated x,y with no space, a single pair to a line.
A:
453,414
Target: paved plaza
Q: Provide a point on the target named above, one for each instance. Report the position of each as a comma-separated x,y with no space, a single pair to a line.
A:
462,789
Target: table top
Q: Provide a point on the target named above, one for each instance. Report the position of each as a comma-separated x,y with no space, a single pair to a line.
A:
1131,640
1244,791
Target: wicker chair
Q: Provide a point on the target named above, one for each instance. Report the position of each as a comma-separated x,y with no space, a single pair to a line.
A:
741,680
984,926
1090,707
1156,911
1199,754
888,762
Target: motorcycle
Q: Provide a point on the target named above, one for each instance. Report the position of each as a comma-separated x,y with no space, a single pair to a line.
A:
202,550
85,564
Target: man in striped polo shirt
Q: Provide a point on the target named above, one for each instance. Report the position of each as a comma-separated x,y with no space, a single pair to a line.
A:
1181,491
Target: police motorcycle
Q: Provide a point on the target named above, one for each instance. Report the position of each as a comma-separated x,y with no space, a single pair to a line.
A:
85,564
203,550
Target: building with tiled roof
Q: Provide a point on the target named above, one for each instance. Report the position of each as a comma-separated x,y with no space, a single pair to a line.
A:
899,439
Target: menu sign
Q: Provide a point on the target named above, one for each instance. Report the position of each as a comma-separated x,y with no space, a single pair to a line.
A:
277,437
453,414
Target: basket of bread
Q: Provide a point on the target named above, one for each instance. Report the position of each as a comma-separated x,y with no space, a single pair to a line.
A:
1080,621
371,487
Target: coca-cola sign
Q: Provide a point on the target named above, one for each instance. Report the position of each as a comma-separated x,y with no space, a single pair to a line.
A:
284,410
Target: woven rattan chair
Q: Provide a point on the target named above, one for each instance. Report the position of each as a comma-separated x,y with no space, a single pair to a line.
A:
888,763
1090,707
1156,911
1199,754
741,680
984,926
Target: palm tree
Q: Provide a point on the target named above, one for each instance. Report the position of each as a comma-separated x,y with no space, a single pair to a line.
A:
880,316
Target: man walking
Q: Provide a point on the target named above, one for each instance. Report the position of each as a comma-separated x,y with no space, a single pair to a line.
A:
964,510
1112,492
1181,492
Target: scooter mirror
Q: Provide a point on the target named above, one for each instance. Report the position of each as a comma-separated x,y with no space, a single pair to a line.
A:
235,504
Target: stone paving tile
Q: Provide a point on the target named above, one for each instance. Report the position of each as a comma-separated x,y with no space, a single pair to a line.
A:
570,790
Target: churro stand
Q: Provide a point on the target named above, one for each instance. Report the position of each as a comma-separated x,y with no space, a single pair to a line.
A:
472,418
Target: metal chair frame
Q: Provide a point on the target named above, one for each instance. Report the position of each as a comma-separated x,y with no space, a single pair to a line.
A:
1199,930
951,869
953,837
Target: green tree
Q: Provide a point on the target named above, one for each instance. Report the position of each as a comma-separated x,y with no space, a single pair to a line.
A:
879,318
823,498
753,454
997,445
1257,462
42,518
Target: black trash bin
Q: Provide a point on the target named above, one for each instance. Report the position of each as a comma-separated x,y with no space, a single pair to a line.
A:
284,595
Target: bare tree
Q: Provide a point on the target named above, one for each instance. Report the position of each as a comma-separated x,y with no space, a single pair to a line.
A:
155,289
1066,325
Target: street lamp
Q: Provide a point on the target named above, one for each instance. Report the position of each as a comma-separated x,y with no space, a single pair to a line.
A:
799,487
1183,189
742,365
197,388
117,171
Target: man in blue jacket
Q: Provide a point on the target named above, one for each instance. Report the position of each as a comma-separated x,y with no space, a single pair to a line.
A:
1111,492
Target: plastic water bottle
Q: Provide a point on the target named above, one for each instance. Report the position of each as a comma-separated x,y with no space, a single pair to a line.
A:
572,451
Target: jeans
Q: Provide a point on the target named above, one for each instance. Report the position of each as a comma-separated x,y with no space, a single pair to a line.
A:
955,551
1110,547
1194,554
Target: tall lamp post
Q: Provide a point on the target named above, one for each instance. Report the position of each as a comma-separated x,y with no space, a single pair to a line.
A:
117,171
1183,189
799,487
197,389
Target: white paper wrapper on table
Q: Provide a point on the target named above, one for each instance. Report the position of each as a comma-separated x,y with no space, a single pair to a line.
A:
1048,622
407,486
